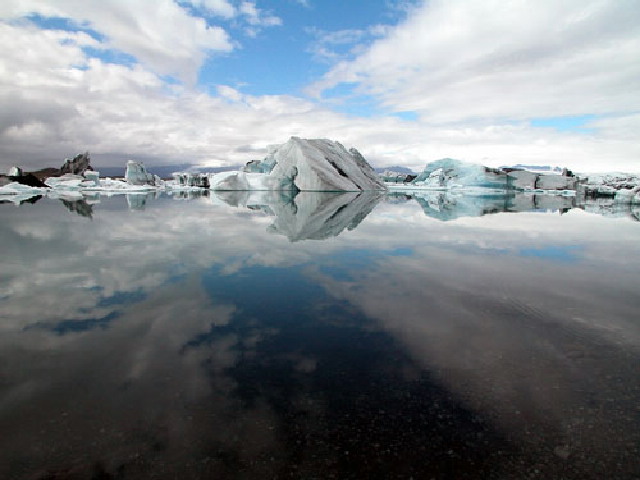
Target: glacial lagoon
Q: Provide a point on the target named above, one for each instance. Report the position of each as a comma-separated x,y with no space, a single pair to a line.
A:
326,335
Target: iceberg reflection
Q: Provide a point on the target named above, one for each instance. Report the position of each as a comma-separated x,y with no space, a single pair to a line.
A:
322,215
308,215
446,206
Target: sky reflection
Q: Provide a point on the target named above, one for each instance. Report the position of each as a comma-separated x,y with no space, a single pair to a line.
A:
185,338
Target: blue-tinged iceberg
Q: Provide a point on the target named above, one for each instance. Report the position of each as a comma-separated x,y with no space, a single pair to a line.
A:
304,165
136,174
448,173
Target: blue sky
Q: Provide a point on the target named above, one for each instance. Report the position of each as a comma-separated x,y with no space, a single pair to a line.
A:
281,60
214,82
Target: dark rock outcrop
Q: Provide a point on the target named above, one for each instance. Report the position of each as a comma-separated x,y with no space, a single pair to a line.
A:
29,179
76,165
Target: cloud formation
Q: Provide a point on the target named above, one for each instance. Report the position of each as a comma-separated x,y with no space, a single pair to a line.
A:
460,60
476,74
160,34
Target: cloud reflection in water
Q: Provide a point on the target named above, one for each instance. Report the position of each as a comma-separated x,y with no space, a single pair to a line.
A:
405,346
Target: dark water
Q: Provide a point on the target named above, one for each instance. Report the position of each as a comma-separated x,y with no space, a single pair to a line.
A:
326,336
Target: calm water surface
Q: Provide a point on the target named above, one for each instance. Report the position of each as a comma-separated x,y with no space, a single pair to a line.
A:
325,336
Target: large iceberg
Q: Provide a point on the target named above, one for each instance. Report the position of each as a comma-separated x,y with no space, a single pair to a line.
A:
304,165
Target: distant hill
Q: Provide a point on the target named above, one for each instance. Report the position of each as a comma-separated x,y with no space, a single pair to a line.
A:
533,168
216,169
395,169
165,171
46,173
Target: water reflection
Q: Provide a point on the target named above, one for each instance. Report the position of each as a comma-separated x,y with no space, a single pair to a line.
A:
539,354
184,340
447,206
308,215
79,206
19,199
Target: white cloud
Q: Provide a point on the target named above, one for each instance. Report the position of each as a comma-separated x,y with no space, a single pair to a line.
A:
257,18
217,7
327,44
158,33
459,60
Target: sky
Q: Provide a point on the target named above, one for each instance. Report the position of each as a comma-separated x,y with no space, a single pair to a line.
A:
214,82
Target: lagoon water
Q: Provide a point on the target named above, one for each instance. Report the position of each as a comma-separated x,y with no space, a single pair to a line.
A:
321,336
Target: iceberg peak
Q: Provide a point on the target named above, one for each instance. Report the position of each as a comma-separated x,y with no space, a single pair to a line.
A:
305,165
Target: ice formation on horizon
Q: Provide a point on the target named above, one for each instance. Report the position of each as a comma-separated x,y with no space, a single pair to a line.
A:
475,179
448,172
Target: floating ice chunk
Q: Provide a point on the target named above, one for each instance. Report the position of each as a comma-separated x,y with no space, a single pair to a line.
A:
524,179
92,176
68,181
556,182
18,193
15,188
449,172
628,195
136,174
115,185
14,172
623,187
188,181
